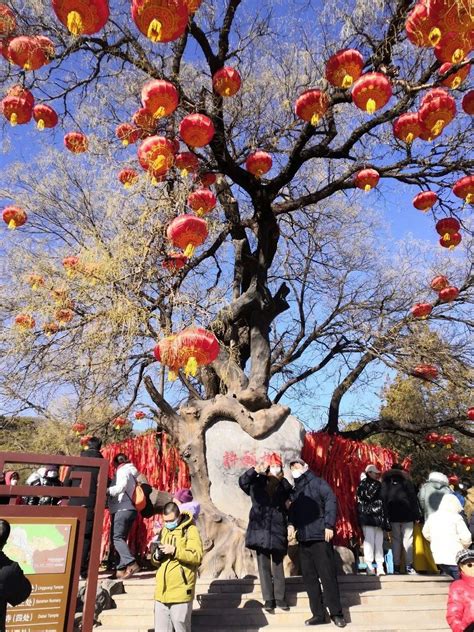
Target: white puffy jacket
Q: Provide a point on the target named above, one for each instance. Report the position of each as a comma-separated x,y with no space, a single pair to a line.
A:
446,531
121,492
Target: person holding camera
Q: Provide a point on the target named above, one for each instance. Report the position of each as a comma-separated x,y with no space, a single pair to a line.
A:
178,555
267,531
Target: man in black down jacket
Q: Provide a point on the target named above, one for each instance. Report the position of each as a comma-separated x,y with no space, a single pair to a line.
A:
92,451
313,514
402,508
14,586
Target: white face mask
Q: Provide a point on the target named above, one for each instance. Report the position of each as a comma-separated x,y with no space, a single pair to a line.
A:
275,471
297,473
14,481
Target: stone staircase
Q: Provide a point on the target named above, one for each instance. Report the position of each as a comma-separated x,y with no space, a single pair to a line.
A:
388,604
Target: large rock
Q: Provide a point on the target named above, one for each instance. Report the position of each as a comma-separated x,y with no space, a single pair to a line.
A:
230,451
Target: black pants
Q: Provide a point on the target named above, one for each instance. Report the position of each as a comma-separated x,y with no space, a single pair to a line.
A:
86,549
317,563
272,576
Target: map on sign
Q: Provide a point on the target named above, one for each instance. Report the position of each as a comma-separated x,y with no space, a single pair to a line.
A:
40,549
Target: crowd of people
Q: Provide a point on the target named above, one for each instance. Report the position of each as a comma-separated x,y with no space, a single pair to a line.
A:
437,519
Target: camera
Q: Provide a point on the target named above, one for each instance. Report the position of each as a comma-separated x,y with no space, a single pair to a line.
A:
157,553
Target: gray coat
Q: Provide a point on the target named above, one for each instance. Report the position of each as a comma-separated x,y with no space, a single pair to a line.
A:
432,492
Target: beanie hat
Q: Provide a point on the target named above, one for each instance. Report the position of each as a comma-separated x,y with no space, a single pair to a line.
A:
275,459
466,555
184,495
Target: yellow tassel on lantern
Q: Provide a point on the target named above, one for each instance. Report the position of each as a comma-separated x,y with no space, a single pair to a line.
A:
458,55
367,187
158,163
11,224
154,30
315,119
470,198
74,23
40,125
184,173
446,237
227,92
409,138
347,81
437,128
125,142
27,66
191,367
456,83
434,36
370,106
160,112
189,251
172,375
14,119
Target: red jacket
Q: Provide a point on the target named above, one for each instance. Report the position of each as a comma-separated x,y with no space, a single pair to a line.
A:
461,604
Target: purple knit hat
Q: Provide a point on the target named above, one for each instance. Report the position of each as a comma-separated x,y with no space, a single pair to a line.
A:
184,495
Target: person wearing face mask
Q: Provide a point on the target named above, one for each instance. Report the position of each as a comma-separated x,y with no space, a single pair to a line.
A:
460,614
46,476
11,479
178,557
313,514
267,531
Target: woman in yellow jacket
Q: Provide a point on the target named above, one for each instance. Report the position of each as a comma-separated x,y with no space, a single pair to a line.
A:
177,557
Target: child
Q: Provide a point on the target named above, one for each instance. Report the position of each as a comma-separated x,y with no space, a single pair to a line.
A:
460,614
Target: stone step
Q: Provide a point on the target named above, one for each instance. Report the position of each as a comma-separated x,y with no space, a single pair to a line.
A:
381,615
227,600
277,628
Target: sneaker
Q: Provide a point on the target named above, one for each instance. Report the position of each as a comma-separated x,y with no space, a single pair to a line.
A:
282,605
269,606
380,572
411,570
370,571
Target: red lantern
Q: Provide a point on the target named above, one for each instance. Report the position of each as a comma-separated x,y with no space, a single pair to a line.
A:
453,478
160,20
17,106
455,79
84,441
467,461
50,329
45,116
128,177
454,458
447,226
186,162
371,92
202,201
226,81
187,232
144,121
450,241
82,17
407,127
14,217
160,98
433,438
421,310
166,352
196,347
439,283
76,142
119,423
156,154
447,440
464,189
259,163
25,322
452,48
174,262
7,21
311,106
70,264
425,200
470,414
30,53
421,26
78,428
344,67
366,179
140,415
426,371
196,130
64,316
434,93
205,180
448,294
435,114
128,134
35,281
468,102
